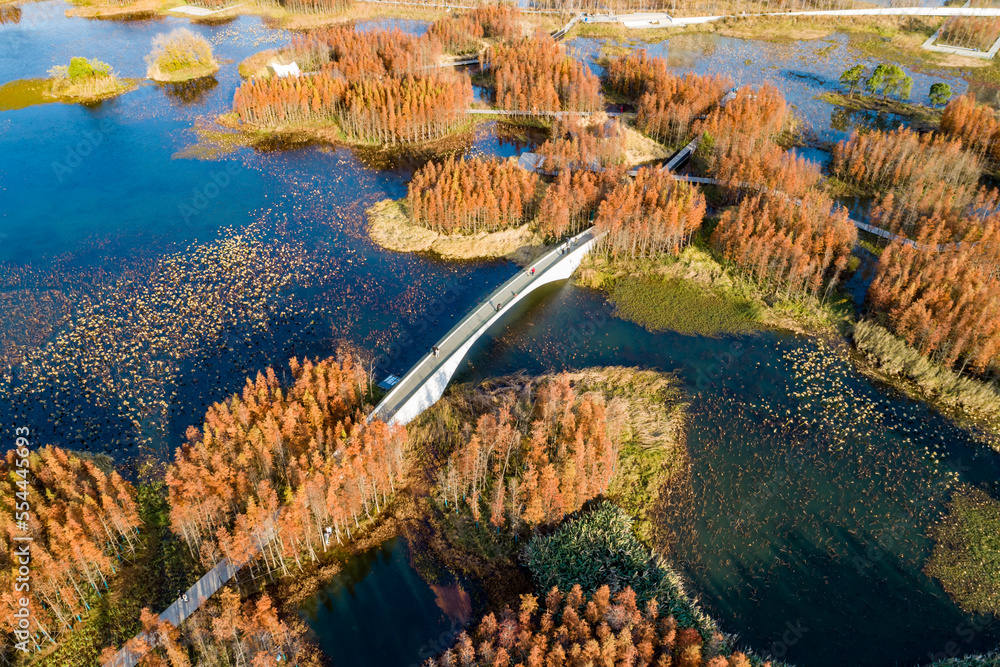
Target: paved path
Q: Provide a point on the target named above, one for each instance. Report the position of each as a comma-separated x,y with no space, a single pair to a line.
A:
424,384
202,590
662,20
180,610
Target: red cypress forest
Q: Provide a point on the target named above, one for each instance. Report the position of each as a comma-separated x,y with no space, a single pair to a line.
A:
748,123
575,145
970,32
572,200
470,196
903,160
465,33
976,125
225,631
537,75
650,215
667,104
82,523
796,245
375,85
944,299
574,630
531,459
957,213
272,468
768,169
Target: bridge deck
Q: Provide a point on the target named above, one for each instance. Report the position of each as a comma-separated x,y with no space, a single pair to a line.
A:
473,325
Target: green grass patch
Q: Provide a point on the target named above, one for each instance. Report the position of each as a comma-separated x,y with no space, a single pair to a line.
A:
672,304
966,554
599,548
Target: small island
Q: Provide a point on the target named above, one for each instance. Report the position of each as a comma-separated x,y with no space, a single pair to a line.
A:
83,81
180,56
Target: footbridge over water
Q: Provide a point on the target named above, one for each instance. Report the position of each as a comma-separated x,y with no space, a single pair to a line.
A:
425,383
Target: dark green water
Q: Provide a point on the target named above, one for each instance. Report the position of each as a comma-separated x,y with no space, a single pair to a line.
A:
797,514
379,611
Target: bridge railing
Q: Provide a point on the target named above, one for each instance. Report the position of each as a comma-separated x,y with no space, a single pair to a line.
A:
480,315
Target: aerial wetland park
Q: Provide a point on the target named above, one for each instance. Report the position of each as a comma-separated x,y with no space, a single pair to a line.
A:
453,333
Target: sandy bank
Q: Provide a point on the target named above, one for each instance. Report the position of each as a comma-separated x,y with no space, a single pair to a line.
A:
390,227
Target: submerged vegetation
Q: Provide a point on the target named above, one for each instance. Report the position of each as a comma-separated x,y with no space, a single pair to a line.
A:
180,55
662,304
966,555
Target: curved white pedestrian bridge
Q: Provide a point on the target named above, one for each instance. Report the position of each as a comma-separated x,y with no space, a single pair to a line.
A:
425,383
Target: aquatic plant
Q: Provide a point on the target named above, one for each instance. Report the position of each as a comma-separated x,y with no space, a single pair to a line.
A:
598,549
966,554
180,55
677,305
893,356
535,74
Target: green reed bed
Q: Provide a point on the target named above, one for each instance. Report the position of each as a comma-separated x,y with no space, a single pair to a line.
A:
966,555
660,304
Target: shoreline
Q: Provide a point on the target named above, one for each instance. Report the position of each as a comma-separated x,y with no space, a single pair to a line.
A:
389,227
